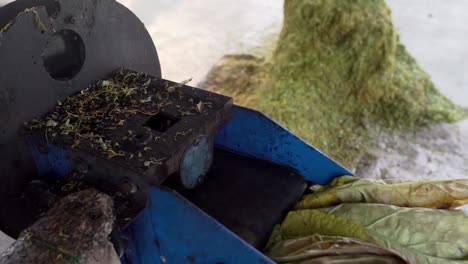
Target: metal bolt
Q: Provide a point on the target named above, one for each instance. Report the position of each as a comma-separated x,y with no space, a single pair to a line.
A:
128,186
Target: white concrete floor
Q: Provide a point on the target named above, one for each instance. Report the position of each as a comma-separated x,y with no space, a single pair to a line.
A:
436,33
191,35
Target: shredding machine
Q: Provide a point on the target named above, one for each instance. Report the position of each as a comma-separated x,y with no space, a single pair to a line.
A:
195,178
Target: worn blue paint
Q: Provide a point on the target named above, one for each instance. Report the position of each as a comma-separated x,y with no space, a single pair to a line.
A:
196,162
253,134
174,230
52,162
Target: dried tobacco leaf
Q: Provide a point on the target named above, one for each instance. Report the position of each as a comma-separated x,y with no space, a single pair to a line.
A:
317,249
421,235
442,194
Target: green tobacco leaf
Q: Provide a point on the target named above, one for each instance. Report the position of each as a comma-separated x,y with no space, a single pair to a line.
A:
309,222
425,236
430,194
330,249
324,196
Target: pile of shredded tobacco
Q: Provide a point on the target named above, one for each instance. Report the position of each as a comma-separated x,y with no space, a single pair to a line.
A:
338,73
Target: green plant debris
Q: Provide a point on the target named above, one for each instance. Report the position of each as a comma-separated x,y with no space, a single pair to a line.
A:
153,161
59,253
94,111
38,20
338,73
6,27
238,76
182,134
172,88
89,118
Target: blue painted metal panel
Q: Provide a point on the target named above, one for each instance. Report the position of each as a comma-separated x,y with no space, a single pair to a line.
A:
52,162
253,134
173,230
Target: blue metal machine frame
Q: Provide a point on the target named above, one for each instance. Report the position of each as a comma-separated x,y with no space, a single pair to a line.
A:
253,134
173,230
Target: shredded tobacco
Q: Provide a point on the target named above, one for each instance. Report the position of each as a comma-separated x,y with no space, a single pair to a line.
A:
338,73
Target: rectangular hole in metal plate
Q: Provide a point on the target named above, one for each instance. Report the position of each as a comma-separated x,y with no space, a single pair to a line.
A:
161,122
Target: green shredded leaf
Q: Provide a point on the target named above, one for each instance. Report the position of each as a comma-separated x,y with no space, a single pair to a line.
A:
51,123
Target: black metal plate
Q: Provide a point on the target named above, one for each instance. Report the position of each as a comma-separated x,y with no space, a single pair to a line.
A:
113,37
154,126
246,195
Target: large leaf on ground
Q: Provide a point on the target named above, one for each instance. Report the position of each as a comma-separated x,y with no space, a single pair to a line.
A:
430,194
422,235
